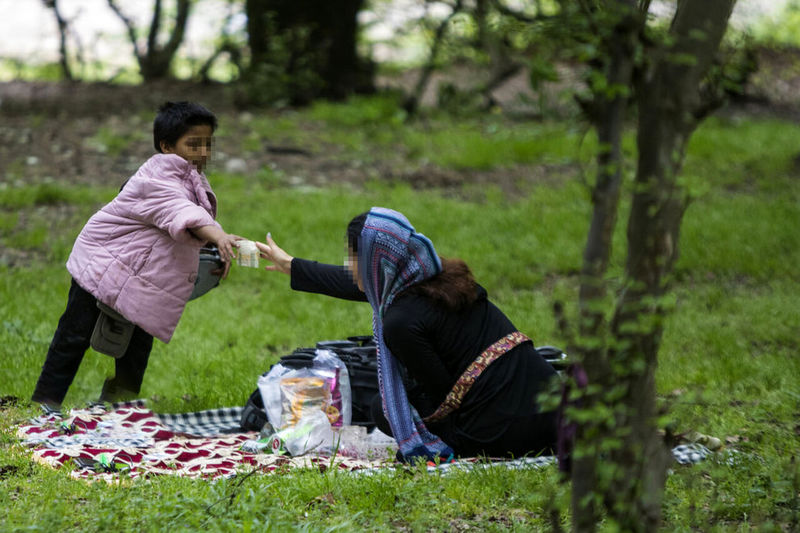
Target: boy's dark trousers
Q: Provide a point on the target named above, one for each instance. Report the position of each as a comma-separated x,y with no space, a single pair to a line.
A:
70,342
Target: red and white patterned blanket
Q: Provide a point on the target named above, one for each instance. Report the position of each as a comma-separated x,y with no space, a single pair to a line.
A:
130,442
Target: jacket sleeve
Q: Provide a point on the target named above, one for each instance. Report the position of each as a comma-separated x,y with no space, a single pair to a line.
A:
320,278
162,201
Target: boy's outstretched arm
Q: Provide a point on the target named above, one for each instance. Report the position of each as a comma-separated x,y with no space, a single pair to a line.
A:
226,242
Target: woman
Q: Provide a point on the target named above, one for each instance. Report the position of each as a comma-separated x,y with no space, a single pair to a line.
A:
433,322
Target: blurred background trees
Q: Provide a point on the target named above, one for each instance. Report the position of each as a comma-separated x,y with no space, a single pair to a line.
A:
279,52
304,49
155,57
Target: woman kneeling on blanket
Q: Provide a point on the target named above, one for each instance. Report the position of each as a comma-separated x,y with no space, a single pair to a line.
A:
437,334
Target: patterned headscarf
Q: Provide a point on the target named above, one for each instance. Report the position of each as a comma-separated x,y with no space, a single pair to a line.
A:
391,258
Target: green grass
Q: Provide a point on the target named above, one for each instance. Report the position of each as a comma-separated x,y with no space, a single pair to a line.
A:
51,193
728,363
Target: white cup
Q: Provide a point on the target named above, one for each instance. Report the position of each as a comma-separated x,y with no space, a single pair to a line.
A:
248,254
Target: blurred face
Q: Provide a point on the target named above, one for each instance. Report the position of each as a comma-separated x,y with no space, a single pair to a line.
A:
351,264
194,146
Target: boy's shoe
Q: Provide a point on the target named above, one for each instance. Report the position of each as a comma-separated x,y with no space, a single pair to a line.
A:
96,407
113,393
50,412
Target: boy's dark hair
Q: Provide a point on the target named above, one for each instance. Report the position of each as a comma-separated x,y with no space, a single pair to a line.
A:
175,118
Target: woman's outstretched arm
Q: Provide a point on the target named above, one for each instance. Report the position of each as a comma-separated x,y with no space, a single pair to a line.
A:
311,276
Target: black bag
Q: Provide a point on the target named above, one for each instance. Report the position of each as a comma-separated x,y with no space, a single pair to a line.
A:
254,417
359,355
209,261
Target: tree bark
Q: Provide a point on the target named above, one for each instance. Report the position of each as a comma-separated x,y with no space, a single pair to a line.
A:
668,100
62,31
155,60
606,112
622,356
257,35
311,43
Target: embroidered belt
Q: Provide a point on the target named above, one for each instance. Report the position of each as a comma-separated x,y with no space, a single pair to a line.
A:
467,379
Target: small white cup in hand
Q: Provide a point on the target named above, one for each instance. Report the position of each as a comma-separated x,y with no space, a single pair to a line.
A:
248,254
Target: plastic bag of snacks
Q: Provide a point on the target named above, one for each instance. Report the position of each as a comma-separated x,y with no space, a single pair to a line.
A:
292,390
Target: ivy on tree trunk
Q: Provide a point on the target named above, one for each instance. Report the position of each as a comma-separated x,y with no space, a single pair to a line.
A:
621,458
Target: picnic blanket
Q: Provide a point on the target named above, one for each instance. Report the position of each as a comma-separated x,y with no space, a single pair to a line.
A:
129,441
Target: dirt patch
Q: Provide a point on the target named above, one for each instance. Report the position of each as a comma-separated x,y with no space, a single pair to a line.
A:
99,133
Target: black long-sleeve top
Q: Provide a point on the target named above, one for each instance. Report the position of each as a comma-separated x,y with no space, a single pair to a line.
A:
499,413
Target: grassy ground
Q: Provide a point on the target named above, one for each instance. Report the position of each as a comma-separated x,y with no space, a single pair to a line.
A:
508,198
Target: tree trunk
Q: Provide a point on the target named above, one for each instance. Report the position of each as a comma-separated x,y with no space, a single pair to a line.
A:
158,59
668,99
155,61
257,34
669,107
62,32
311,44
606,112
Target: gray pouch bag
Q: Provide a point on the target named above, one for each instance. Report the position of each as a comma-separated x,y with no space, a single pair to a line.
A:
112,332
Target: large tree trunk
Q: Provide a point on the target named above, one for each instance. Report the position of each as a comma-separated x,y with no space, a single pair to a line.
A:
257,32
669,108
311,44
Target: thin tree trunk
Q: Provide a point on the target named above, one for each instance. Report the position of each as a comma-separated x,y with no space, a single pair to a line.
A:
667,101
128,23
154,61
607,114
62,31
412,102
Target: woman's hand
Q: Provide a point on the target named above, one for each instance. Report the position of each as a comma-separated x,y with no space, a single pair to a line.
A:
282,262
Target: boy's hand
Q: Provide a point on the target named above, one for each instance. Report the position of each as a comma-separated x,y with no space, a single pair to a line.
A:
222,272
226,242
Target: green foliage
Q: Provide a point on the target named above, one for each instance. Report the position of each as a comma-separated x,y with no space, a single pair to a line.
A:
17,69
781,29
360,111
492,144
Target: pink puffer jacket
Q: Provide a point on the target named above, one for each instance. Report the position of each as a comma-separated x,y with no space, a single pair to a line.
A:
136,254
